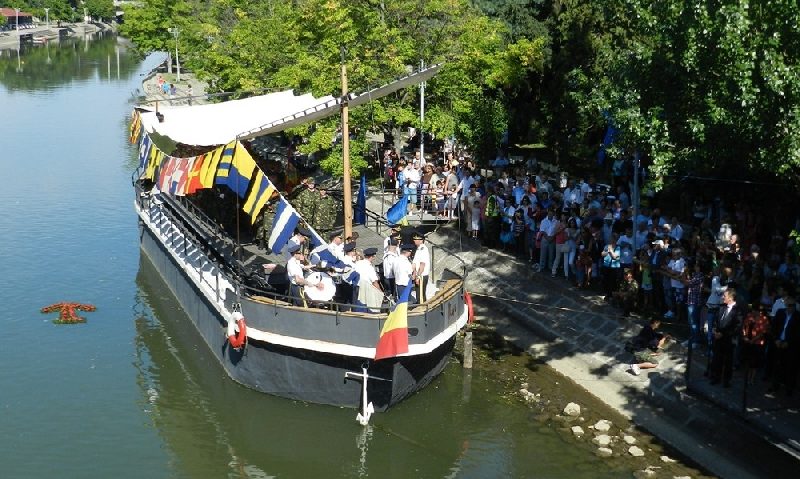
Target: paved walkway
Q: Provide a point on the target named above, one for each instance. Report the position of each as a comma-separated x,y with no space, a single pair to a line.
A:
582,337
153,93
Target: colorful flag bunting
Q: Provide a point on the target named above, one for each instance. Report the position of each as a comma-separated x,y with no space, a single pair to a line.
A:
286,219
394,334
209,170
260,193
178,180
165,173
193,177
236,168
144,151
136,126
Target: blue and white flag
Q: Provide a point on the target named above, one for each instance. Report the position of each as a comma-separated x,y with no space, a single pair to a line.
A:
144,150
286,220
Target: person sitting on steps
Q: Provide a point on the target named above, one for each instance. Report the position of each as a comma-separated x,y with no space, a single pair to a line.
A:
647,347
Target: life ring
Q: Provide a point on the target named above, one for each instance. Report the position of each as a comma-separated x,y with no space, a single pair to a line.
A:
237,339
470,311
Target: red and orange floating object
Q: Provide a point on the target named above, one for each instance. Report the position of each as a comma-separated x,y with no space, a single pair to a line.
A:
67,312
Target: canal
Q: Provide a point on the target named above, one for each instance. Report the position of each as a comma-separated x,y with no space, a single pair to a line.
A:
132,393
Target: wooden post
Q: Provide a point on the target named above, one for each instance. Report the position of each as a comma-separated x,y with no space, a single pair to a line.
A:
468,350
348,200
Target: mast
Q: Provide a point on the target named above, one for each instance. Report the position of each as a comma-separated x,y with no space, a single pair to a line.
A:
348,200
422,118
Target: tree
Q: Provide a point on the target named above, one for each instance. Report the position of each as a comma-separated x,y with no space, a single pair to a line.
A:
241,45
103,9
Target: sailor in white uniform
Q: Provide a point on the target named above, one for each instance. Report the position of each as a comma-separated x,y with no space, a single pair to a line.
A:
366,269
299,238
295,271
421,267
403,270
389,259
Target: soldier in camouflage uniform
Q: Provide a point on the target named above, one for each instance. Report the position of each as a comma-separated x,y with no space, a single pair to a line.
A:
307,202
327,212
265,224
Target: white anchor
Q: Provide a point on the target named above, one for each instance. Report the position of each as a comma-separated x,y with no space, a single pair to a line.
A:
366,406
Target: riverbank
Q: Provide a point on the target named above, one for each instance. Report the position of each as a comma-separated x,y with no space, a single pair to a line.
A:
11,40
546,392
580,336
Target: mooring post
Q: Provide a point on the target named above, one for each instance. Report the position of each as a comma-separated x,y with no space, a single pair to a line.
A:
468,350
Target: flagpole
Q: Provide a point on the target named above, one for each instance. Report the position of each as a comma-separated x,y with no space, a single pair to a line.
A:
348,201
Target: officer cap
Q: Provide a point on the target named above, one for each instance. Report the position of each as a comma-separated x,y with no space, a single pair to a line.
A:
407,247
349,247
334,235
304,231
370,251
417,236
295,248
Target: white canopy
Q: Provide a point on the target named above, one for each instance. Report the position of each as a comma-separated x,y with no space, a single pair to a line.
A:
220,123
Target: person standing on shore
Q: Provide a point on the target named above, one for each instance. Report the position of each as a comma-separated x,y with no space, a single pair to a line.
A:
728,328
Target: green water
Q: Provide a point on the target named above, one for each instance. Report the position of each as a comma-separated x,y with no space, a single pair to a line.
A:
132,393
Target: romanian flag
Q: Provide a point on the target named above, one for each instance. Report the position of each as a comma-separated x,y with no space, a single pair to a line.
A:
260,193
394,335
209,169
193,178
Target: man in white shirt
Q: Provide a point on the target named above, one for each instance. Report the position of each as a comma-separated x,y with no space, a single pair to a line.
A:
421,267
675,269
366,269
295,271
412,177
547,251
389,259
403,270
336,245
298,239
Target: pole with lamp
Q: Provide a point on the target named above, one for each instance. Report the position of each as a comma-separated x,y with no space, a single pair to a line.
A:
85,15
16,11
47,17
175,32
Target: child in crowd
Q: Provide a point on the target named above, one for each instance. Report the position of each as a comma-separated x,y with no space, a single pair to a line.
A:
476,218
452,202
439,197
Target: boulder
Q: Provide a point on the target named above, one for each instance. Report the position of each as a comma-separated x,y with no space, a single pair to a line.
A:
602,425
577,430
604,452
667,459
602,440
630,440
636,451
572,410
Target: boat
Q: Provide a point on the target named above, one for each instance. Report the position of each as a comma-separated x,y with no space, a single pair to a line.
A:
235,293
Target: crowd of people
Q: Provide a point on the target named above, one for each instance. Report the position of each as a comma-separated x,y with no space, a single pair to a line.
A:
705,269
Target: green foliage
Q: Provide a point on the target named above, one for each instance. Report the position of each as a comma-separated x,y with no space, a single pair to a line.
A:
103,9
240,45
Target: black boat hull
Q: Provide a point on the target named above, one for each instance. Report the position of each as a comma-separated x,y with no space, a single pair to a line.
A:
296,373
